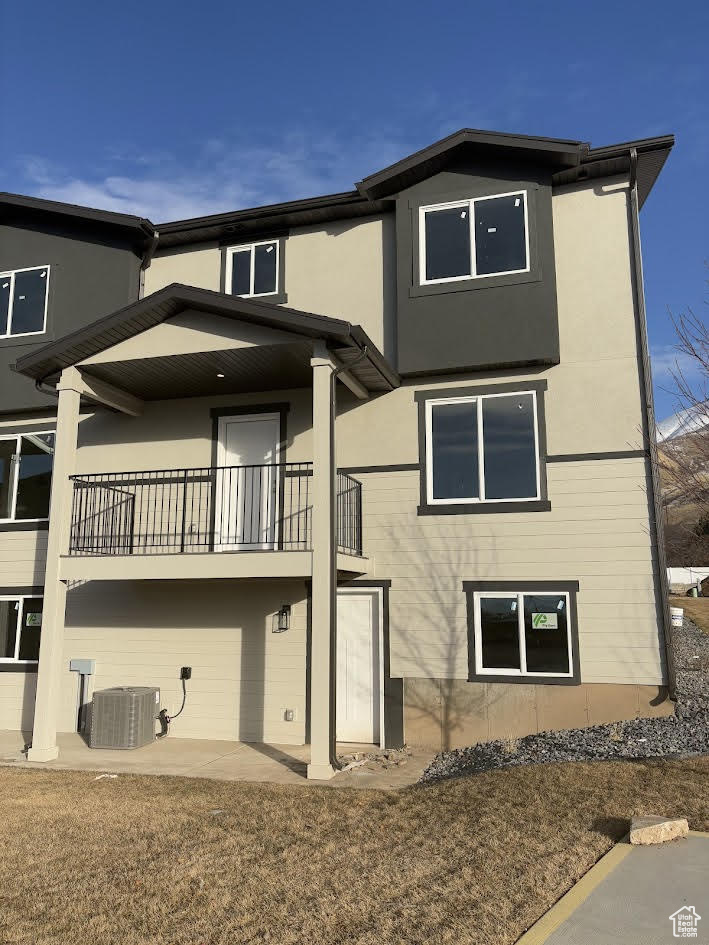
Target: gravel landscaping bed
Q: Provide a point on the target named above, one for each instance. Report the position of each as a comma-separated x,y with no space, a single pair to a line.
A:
683,734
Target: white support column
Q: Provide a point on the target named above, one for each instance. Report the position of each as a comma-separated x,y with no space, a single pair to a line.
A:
44,735
323,608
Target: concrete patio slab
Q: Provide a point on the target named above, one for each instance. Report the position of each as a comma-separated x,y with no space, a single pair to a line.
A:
637,895
222,760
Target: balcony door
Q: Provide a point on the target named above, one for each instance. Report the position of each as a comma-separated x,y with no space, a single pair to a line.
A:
246,486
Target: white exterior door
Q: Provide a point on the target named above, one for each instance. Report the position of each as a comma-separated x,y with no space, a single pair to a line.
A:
358,667
246,493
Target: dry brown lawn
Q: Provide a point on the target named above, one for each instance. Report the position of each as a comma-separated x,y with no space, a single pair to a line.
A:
477,860
696,608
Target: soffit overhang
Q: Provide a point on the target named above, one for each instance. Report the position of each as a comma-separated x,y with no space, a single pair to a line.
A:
286,363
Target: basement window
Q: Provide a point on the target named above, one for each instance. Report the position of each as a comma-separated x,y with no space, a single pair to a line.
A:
475,238
25,476
252,270
20,629
527,631
527,634
23,301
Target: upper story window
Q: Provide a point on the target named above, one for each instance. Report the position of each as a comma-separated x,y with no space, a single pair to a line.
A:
23,301
20,629
252,270
482,448
470,239
25,476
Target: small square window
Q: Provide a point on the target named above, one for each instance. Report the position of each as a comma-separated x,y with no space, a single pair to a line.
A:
252,269
23,301
473,239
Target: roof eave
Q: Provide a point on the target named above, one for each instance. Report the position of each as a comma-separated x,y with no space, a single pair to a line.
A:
51,359
128,223
555,151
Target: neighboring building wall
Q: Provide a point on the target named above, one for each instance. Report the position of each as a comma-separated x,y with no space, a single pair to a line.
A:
89,277
344,269
244,676
22,563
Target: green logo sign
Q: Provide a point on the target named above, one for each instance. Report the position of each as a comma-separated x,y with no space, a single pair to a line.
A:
545,621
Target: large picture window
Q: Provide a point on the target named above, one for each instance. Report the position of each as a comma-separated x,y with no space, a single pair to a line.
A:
522,633
23,301
471,239
25,476
20,629
252,270
482,448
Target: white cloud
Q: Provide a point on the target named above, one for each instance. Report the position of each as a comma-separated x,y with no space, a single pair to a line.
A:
667,361
224,175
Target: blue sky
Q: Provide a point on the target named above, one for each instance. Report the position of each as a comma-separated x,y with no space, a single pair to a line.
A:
176,109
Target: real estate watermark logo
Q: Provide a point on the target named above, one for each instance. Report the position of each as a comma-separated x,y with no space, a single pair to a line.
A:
684,922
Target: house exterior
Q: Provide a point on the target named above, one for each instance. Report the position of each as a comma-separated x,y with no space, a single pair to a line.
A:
378,466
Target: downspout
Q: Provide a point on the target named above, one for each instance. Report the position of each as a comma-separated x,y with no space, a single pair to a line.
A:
649,429
146,260
47,391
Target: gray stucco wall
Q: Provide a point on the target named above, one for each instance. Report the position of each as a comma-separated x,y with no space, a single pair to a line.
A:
89,277
495,321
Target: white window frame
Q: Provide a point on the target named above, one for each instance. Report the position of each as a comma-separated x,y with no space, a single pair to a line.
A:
11,273
14,473
20,598
478,399
519,597
251,248
470,205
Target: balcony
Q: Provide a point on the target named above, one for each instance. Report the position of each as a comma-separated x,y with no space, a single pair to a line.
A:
232,521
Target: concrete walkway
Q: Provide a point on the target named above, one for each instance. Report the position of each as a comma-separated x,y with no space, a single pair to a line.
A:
630,896
223,760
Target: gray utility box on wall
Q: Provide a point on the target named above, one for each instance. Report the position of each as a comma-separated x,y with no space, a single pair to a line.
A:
124,717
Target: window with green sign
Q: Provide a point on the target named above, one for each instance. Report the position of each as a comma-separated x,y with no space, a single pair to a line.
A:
20,629
525,634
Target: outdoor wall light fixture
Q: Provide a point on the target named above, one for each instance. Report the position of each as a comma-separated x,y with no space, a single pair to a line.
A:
283,622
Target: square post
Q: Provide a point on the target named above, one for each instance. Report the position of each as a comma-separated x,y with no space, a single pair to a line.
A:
51,646
322,656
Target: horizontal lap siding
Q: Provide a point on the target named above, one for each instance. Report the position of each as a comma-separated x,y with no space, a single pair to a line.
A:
244,676
597,533
22,558
17,691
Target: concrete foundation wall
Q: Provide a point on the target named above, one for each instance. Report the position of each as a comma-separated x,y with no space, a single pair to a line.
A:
450,713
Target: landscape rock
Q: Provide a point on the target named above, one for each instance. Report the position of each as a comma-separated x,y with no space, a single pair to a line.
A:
683,734
648,830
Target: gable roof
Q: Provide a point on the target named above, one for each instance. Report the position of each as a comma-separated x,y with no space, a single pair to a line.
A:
19,207
557,152
347,340
568,160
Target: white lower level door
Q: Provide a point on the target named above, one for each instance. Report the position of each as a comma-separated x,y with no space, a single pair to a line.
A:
246,494
358,667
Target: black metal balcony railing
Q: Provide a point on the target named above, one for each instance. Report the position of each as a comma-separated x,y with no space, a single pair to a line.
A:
230,508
